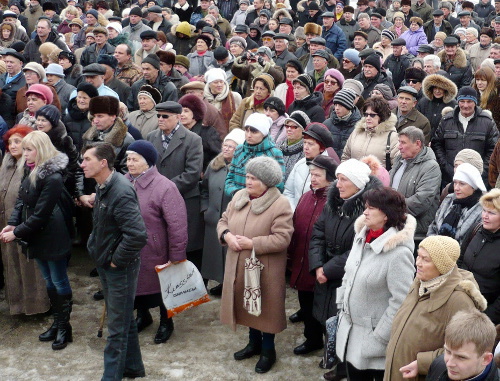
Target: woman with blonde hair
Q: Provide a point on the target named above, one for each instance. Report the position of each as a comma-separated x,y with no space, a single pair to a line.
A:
485,84
67,15
40,222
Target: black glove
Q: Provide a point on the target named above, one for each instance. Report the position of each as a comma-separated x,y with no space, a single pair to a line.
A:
260,60
243,58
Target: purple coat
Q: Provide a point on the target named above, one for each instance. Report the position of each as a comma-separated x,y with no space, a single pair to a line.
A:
164,213
414,39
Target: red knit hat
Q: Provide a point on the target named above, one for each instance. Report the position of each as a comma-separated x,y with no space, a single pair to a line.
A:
42,91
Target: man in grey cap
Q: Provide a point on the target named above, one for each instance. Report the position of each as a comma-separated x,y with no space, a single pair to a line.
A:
397,63
455,62
101,46
94,74
320,64
156,20
315,44
10,82
466,21
243,32
424,51
286,27
149,45
281,53
334,36
437,24
447,8
55,77
408,115
180,159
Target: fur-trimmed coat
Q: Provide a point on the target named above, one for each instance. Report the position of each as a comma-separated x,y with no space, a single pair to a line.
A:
267,221
362,142
460,71
418,327
377,278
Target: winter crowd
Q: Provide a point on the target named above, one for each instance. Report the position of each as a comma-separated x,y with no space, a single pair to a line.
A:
353,152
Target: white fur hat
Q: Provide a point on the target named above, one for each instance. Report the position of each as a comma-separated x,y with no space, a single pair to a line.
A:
469,174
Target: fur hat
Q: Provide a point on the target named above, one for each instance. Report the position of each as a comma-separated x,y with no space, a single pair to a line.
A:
37,68
299,118
441,35
267,79
327,163
275,104
488,32
104,105
42,91
349,9
100,30
195,104
151,92
46,48
266,169
469,174
146,149
69,55
312,28
108,60
405,2
307,81
356,171
260,122
88,89
444,252
472,157
51,113
417,20
206,39
153,60
239,41
167,57
415,73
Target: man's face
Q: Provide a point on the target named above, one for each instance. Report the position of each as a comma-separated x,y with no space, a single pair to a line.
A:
397,50
149,72
91,165
53,79
319,63
75,29
497,27
327,22
285,28
103,121
464,363
497,70
13,65
494,53
268,41
407,148
348,16
121,54
438,20
415,83
214,13
359,43
258,4
362,8
49,13
134,19
429,68
464,20
42,29
148,44
17,11
313,48
451,50
204,4
497,7
167,125
109,73
467,107
309,37
406,102
446,12
100,39
406,8
364,23
369,71
279,45
484,39
375,21
312,12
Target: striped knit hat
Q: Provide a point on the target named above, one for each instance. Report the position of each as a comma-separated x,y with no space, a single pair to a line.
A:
300,118
345,97
390,35
307,81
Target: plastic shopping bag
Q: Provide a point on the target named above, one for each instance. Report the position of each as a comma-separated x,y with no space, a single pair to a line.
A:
182,287
252,297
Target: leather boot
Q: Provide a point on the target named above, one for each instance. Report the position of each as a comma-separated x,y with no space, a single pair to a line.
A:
64,329
250,350
165,330
266,361
50,334
143,319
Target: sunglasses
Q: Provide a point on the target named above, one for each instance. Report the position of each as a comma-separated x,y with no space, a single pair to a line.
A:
293,126
252,130
163,116
267,39
345,60
369,114
328,82
414,81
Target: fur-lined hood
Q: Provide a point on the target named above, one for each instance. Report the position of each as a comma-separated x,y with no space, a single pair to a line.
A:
258,205
115,137
436,80
459,61
382,128
400,238
57,164
300,5
283,12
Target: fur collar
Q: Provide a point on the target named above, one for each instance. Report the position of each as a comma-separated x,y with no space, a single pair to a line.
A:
382,128
115,137
401,236
460,60
258,205
218,162
282,12
436,80
56,164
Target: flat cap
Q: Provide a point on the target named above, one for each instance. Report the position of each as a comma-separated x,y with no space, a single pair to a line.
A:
321,53
450,40
242,28
194,85
268,33
438,12
366,52
147,34
169,106
94,69
281,36
425,49
399,42
15,54
409,90
287,21
360,33
464,13
155,9
327,14
318,41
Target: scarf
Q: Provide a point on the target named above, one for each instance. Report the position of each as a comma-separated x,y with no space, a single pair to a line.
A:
398,30
257,102
429,286
289,94
450,222
31,166
373,235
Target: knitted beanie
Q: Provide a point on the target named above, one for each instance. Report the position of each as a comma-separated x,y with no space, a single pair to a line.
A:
266,169
352,55
51,113
335,74
469,174
356,171
385,90
151,92
467,92
444,252
345,97
93,12
307,81
388,34
153,60
215,74
146,149
374,61
471,156
354,85
260,122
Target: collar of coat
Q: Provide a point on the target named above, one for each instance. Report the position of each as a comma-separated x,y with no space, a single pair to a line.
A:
53,165
382,128
258,205
458,280
387,242
460,60
218,162
115,137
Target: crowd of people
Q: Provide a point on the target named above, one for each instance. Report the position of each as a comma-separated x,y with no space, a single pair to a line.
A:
354,151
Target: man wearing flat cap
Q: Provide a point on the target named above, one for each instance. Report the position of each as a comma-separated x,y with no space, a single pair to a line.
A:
320,63
156,20
180,159
100,47
110,63
437,24
365,26
455,62
398,62
149,45
335,38
10,82
94,74
281,53
136,26
408,115
466,21
243,32
315,44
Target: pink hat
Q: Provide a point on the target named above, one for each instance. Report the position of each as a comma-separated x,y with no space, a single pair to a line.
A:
42,91
335,74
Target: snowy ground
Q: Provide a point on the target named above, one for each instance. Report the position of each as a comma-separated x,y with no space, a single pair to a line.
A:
201,348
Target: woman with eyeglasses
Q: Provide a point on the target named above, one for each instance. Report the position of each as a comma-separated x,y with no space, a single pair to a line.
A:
331,85
293,146
373,133
350,64
213,203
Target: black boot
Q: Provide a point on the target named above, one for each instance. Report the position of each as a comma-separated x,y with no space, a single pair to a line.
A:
266,361
143,319
64,329
50,334
250,350
165,330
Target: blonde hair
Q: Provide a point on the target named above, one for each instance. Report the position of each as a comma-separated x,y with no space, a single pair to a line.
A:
491,200
45,150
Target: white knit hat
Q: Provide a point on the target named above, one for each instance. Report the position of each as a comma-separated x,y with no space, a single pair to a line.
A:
356,171
237,135
116,26
469,174
214,75
260,122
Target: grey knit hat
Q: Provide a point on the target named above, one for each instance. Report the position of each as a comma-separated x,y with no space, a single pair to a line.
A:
266,169
384,90
354,85
345,97
472,157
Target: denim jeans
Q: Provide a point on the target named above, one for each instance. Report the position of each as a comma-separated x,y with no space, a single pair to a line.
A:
122,352
55,275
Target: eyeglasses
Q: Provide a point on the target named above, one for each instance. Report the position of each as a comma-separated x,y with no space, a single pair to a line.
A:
329,82
252,130
228,146
414,81
163,116
369,114
293,126
345,60
267,39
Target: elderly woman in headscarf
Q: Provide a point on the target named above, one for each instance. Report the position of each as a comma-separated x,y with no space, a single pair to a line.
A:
438,292
145,119
164,213
259,218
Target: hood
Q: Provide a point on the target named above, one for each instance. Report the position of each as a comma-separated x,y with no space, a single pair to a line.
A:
56,164
436,80
460,60
57,133
301,5
74,112
14,31
115,137
283,12
382,128
401,237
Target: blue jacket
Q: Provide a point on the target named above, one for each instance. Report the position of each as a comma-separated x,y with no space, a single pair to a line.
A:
335,41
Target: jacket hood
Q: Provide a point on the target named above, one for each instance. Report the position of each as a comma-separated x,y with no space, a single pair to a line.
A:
283,12
56,164
58,132
436,80
382,128
402,237
74,112
14,31
459,61
115,137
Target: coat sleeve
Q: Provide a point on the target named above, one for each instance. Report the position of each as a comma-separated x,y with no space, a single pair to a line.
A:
230,186
223,223
439,148
241,69
237,117
341,46
427,187
175,215
204,190
193,165
346,153
317,243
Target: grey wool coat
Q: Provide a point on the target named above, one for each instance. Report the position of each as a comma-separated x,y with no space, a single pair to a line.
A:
182,162
378,276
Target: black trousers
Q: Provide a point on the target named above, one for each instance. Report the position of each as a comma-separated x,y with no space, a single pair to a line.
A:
313,330
354,374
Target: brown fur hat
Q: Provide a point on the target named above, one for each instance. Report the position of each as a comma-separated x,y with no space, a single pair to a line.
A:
104,105
312,28
195,104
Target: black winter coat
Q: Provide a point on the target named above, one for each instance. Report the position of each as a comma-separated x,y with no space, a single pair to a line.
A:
397,66
31,52
341,129
439,372
77,123
210,140
482,260
331,242
450,138
8,109
432,110
311,106
162,83
369,84
39,213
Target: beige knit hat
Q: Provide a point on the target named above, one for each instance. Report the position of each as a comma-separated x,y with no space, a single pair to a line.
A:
444,251
471,156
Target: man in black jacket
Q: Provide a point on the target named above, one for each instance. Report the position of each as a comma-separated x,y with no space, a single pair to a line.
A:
117,238
44,33
397,62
